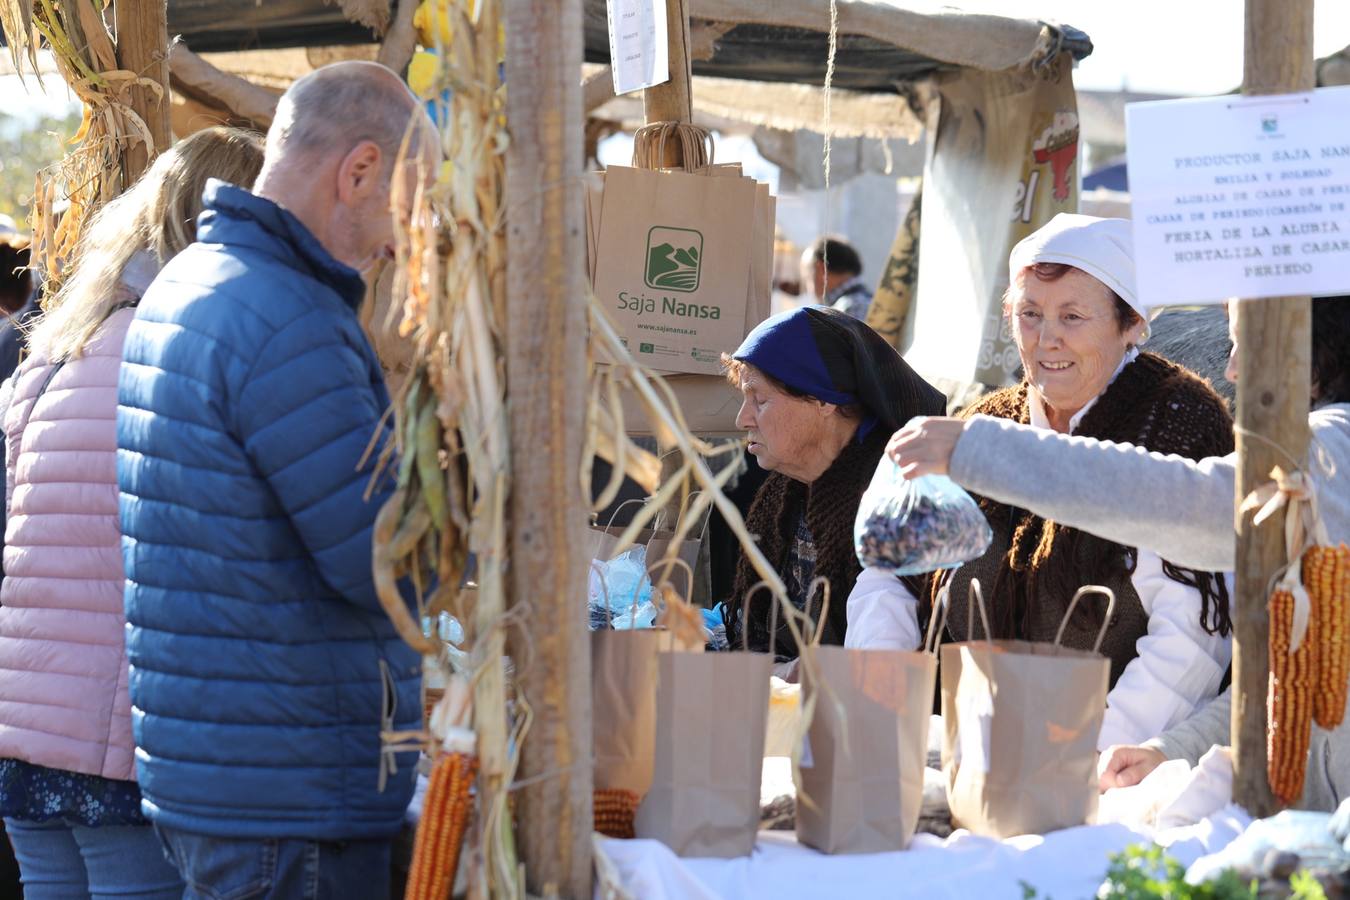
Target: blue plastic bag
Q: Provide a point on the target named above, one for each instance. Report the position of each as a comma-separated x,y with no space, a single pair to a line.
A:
916,526
623,582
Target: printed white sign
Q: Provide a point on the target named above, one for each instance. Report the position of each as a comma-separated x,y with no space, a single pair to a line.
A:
638,54
1240,196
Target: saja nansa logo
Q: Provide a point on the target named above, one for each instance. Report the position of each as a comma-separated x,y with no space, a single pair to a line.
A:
674,257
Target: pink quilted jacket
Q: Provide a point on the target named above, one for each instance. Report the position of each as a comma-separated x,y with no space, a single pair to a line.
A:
63,663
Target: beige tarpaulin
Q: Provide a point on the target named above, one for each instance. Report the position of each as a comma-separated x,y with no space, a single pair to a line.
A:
1002,164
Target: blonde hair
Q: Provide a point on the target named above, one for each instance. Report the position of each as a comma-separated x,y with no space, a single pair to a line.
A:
158,215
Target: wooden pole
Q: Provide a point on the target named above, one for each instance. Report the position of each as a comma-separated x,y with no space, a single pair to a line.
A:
1272,404
546,383
672,102
143,48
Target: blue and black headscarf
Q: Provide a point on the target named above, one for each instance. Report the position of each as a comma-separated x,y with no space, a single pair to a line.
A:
833,357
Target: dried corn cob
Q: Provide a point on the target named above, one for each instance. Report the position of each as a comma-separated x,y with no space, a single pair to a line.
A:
1326,575
445,816
615,812
1289,703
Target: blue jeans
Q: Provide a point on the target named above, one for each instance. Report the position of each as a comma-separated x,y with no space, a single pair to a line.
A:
278,869
61,861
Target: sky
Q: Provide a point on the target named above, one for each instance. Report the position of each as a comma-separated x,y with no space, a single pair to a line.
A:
1187,47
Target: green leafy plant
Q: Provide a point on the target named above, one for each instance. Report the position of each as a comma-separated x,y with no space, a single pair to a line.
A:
1145,872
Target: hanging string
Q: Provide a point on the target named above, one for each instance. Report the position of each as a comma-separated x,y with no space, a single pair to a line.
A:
829,89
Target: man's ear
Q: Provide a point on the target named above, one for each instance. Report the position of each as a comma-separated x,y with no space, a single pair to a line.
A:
359,171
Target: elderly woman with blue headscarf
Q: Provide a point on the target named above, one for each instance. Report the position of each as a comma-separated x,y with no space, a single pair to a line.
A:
822,394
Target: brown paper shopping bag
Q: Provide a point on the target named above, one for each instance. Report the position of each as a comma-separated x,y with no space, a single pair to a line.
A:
863,760
623,712
673,264
1021,722
658,541
711,711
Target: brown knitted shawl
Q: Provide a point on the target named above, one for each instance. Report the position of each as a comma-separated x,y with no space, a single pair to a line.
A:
1152,403
831,504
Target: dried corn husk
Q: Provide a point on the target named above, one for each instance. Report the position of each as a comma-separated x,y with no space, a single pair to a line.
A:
92,173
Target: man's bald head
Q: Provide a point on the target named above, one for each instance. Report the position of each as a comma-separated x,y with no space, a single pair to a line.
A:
336,107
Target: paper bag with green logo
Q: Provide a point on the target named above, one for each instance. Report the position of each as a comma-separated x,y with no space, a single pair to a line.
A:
863,761
673,264
711,714
1021,720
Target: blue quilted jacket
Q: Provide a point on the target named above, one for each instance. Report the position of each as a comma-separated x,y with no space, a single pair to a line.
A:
262,666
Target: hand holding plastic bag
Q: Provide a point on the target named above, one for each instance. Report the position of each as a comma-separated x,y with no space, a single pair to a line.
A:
916,526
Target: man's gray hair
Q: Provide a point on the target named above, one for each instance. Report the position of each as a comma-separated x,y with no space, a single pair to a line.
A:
334,108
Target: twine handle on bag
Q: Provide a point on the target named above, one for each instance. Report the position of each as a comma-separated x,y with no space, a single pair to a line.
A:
973,597
745,613
666,564
938,620
1106,620
606,529
604,589
817,629
684,509
696,145
678,616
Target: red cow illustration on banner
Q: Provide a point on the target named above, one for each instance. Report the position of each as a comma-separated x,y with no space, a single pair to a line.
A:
1058,146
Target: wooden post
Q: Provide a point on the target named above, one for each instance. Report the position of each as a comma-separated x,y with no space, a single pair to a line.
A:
1272,404
546,383
672,101
143,48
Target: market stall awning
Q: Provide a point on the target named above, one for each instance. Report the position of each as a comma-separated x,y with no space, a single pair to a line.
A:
881,44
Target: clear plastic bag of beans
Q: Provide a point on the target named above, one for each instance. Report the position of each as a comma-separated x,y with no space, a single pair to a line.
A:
916,526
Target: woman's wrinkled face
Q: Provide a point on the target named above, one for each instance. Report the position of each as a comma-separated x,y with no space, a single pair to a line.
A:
785,432
1068,337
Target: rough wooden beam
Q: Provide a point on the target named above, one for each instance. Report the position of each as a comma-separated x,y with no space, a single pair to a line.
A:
196,78
546,383
596,90
1272,406
143,48
401,39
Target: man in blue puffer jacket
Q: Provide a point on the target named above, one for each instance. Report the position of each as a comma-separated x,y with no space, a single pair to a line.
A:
262,665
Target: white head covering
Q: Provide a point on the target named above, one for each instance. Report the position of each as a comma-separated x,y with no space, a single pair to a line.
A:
7,226
1103,248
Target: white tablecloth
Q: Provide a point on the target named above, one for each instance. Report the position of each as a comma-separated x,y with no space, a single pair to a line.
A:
1065,865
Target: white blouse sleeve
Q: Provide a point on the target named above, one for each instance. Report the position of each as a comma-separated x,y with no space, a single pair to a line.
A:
1179,666
882,613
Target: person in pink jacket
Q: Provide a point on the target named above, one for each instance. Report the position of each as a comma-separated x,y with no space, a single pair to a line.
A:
67,780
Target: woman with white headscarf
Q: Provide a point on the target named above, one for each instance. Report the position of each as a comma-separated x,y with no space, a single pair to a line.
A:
1077,324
